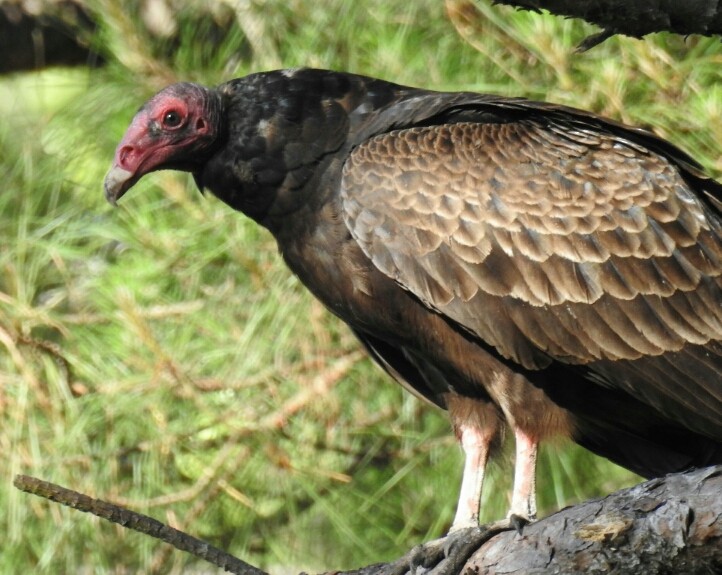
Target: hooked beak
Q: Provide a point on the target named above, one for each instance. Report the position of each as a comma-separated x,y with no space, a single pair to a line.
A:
117,182
131,159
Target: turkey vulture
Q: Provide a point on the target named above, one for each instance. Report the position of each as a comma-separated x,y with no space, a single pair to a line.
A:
516,263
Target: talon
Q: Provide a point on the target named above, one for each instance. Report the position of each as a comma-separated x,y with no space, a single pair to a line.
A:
518,522
457,538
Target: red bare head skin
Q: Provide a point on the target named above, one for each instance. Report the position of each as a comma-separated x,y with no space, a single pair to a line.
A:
175,129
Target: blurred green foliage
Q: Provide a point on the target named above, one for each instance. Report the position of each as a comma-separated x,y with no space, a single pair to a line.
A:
159,355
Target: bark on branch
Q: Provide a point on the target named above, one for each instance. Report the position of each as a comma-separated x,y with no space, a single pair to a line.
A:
634,17
667,525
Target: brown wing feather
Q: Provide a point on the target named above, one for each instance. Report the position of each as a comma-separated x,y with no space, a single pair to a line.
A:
547,243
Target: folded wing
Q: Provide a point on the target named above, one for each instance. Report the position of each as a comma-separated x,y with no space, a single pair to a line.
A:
552,242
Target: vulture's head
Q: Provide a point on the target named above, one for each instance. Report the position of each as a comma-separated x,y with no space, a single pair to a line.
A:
176,129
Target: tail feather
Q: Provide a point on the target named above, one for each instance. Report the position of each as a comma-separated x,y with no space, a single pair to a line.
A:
616,425
654,453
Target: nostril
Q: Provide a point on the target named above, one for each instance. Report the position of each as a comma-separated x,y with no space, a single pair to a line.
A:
123,155
200,124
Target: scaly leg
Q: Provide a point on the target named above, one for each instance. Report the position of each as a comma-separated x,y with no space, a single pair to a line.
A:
477,425
476,444
448,555
523,499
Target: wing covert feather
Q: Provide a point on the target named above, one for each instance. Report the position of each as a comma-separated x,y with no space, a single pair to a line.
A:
546,241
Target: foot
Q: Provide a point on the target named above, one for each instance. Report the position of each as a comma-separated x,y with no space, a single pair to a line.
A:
448,555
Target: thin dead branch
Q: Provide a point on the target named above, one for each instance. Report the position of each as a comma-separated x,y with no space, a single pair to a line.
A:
137,522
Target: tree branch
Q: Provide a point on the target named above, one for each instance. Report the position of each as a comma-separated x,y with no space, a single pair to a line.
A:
667,525
137,522
634,18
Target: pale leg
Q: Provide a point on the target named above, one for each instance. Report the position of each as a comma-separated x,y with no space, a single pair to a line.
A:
476,444
523,500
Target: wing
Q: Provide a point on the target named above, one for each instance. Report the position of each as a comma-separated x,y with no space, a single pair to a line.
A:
549,242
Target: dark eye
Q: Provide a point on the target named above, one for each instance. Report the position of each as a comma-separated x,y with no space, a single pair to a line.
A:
171,119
